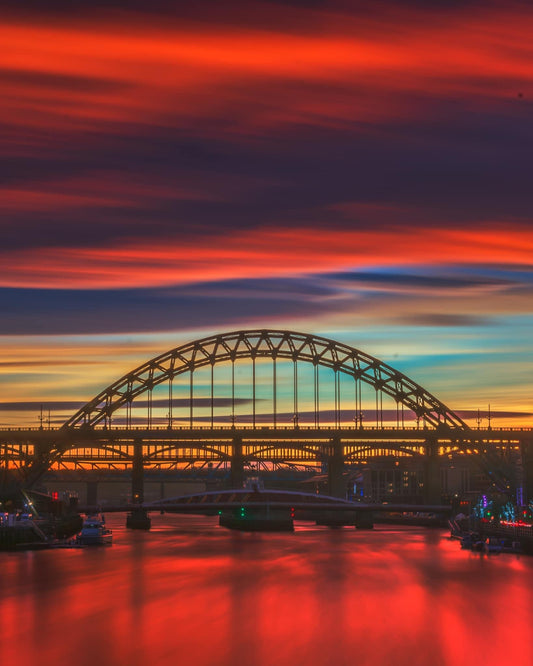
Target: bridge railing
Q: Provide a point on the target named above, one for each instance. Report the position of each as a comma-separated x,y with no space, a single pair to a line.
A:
290,428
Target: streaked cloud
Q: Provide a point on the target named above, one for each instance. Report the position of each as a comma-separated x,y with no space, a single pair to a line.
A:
360,169
133,71
269,252
442,319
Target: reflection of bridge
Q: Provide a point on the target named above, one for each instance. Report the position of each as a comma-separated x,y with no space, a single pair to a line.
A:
261,399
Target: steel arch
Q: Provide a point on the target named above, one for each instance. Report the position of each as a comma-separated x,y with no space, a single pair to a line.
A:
394,449
222,455
265,343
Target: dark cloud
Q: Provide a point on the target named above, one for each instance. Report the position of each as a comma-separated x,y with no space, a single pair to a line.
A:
263,416
307,418
369,416
425,281
34,406
49,312
39,363
55,405
484,414
245,12
478,177
445,319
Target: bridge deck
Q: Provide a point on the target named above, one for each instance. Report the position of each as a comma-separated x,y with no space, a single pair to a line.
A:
228,433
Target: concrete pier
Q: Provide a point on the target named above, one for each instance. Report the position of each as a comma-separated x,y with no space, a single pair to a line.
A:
432,482
249,520
237,464
138,518
335,461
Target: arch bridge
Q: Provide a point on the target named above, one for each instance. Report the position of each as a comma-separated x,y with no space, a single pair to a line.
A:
259,399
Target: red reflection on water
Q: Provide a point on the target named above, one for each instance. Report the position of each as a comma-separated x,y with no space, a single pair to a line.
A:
190,592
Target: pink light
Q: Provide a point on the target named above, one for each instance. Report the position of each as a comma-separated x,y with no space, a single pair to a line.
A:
518,523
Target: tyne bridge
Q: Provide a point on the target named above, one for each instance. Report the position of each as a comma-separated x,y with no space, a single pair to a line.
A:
249,401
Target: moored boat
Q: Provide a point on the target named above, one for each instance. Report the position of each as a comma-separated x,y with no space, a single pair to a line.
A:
20,531
94,532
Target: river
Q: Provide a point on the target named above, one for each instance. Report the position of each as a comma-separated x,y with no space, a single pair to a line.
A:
192,593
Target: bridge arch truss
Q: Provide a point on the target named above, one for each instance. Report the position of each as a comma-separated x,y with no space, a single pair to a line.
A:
276,345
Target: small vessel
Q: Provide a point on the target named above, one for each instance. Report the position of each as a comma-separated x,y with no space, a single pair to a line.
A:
19,531
94,532
473,541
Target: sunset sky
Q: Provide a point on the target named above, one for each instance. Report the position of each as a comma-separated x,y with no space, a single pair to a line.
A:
358,170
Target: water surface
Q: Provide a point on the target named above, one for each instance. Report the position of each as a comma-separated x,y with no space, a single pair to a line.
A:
190,592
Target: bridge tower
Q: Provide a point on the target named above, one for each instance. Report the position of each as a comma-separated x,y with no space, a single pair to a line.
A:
137,473
432,481
237,463
335,462
138,519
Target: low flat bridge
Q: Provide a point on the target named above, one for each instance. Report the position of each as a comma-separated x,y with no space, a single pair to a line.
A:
296,502
260,503
263,398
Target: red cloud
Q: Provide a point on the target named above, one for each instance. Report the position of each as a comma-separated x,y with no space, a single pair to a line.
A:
336,70
260,253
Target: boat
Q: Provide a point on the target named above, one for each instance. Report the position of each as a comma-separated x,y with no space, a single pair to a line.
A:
94,532
38,519
19,531
472,541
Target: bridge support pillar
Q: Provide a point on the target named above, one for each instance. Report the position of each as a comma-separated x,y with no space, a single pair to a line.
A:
432,481
237,464
138,518
8,486
336,483
364,520
41,462
137,473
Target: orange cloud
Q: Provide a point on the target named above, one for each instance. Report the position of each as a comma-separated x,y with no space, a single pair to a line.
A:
260,253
